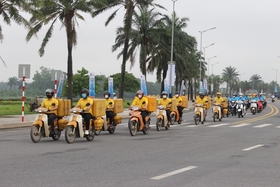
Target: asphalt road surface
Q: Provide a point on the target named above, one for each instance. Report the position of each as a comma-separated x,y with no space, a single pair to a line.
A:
236,152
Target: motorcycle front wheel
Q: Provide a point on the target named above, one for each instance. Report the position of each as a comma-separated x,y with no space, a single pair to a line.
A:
97,132
132,126
35,135
57,134
159,124
173,119
215,116
70,134
112,129
146,129
91,134
196,119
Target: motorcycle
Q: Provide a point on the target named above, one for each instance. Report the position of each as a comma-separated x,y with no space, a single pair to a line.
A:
161,118
260,106
41,129
135,122
198,114
232,107
253,106
246,105
217,114
240,109
175,117
273,100
225,108
109,127
76,127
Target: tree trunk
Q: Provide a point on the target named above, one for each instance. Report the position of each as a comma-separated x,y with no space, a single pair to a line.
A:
69,33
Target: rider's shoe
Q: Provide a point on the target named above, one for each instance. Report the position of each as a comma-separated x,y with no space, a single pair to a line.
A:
86,132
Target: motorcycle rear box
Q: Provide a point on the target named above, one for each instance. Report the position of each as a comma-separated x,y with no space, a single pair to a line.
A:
98,123
99,107
118,119
118,106
209,103
152,104
67,107
173,105
184,102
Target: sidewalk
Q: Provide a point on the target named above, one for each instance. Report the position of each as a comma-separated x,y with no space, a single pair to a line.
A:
14,121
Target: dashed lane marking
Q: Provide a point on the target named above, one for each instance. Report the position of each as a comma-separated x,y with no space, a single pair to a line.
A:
253,147
261,126
174,172
241,125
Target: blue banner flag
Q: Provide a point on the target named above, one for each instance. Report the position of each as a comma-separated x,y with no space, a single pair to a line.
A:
143,84
60,86
111,86
91,85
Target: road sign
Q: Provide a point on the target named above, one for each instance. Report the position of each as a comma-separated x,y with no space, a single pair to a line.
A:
24,69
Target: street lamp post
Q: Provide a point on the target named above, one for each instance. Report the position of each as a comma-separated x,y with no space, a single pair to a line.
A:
205,48
213,65
276,71
172,41
209,64
201,32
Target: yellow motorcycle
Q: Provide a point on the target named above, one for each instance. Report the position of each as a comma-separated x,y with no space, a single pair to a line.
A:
198,114
161,118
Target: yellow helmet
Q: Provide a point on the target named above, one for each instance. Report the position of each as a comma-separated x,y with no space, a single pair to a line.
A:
219,93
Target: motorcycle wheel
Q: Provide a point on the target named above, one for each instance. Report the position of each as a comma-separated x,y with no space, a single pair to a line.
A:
132,126
173,119
179,121
57,134
159,124
214,117
196,119
239,114
112,129
35,135
167,126
91,134
70,134
97,132
146,130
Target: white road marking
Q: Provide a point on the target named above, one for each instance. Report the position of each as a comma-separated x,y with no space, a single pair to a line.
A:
241,125
219,125
174,172
261,126
278,127
191,126
253,147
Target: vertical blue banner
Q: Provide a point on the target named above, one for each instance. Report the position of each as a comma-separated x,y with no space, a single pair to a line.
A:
205,85
143,84
60,86
201,87
182,87
91,85
111,86
275,89
166,86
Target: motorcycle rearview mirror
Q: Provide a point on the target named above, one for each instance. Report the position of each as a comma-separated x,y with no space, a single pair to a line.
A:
87,104
110,103
193,101
53,104
144,102
170,103
128,103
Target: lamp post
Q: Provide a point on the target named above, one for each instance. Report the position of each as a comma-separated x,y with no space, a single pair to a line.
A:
172,41
213,65
201,32
209,64
276,71
205,48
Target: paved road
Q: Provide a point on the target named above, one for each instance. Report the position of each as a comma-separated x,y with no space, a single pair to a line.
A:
233,152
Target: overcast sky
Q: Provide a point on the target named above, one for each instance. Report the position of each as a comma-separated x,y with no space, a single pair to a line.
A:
247,37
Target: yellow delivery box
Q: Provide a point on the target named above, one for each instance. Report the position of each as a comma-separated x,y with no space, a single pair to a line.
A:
99,107
173,105
63,107
185,102
118,106
152,104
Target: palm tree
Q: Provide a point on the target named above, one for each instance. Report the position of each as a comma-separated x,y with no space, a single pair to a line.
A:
129,5
256,80
66,11
228,75
10,11
144,35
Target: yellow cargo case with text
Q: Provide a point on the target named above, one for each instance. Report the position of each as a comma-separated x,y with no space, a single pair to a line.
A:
99,107
152,104
63,107
173,105
209,104
118,106
185,102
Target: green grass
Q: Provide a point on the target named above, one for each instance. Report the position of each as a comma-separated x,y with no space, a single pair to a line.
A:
14,107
